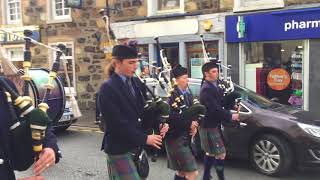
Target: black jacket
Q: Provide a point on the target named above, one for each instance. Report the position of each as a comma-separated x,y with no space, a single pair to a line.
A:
6,169
212,97
178,125
123,116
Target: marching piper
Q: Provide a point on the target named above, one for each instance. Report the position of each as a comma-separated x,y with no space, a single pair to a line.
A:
177,141
122,104
211,96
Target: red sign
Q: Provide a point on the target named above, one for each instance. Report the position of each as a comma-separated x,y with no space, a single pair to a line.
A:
278,79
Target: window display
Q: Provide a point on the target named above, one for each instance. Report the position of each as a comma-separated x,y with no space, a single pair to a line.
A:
195,56
275,70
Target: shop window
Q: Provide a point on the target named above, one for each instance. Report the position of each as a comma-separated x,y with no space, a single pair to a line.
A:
58,12
69,56
143,58
195,56
12,11
275,70
156,7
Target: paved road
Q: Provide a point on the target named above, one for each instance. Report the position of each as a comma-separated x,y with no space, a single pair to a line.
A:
82,160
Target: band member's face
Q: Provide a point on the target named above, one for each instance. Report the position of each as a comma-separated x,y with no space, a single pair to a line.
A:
212,74
127,67
146,70
182,81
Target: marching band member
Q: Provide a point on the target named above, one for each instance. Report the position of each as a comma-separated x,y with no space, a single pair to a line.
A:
121,103
211,96
48,157
177,141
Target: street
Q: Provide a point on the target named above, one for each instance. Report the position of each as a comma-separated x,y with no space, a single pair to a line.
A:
83,160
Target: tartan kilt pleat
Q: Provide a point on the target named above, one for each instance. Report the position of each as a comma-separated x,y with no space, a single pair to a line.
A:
211,141
122,167
179,154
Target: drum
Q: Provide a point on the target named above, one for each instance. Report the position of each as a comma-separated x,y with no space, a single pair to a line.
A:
56,99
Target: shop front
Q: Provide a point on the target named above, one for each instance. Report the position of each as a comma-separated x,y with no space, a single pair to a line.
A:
277,54
179,37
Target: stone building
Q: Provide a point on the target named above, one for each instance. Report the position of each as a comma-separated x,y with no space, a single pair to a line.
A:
52,22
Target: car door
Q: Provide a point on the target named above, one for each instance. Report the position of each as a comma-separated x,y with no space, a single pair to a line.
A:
237,135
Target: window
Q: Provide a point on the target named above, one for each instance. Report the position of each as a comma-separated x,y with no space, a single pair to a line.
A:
13,11
58,12
195,56
156,7
15,53
275,70
70,66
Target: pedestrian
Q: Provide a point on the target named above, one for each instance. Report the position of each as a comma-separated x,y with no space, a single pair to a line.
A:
122,103
177,141
211,96
48,157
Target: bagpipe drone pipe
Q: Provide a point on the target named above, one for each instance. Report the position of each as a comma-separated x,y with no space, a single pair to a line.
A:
28,123
231,99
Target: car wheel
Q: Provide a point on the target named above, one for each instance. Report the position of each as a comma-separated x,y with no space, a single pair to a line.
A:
271,155
62,128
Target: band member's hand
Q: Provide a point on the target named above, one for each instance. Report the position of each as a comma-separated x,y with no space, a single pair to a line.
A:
154,140
235,117
164,129
194,125
32,178
193,132
46,159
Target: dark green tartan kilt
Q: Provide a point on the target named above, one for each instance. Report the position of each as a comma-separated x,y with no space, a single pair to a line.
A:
179,154
122,167
211,141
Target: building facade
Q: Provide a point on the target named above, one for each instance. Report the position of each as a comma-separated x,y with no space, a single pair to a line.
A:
81,29
275,50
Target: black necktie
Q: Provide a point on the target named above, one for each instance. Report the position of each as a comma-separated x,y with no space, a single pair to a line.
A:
130,87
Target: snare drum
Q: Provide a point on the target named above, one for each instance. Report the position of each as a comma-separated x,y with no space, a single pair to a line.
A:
57,97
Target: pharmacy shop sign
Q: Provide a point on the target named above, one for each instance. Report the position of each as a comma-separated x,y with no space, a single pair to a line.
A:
273,26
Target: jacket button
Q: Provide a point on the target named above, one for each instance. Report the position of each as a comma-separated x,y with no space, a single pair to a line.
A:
1,161
139,120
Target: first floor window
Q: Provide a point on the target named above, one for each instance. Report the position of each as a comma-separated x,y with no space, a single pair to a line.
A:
275,70
168,4
15,53
13,11
60,11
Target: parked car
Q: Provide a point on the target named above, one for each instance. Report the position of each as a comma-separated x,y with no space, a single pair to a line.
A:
66,120
274,137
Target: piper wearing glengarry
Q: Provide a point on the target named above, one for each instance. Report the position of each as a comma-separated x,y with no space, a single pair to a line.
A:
122,104
211,95
177,141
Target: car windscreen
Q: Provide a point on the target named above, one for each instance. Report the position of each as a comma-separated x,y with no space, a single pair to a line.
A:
255,99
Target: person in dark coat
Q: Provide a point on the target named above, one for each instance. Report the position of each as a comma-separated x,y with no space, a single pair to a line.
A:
48,157
211,96
177,141
121,103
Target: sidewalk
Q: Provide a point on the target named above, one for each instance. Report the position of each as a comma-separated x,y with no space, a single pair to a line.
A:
87,119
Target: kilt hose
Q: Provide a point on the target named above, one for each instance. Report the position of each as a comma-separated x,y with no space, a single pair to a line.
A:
179,154
211,141
122,167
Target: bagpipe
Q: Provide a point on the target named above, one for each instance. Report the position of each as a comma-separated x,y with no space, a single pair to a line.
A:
194,112
28,122
231,99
